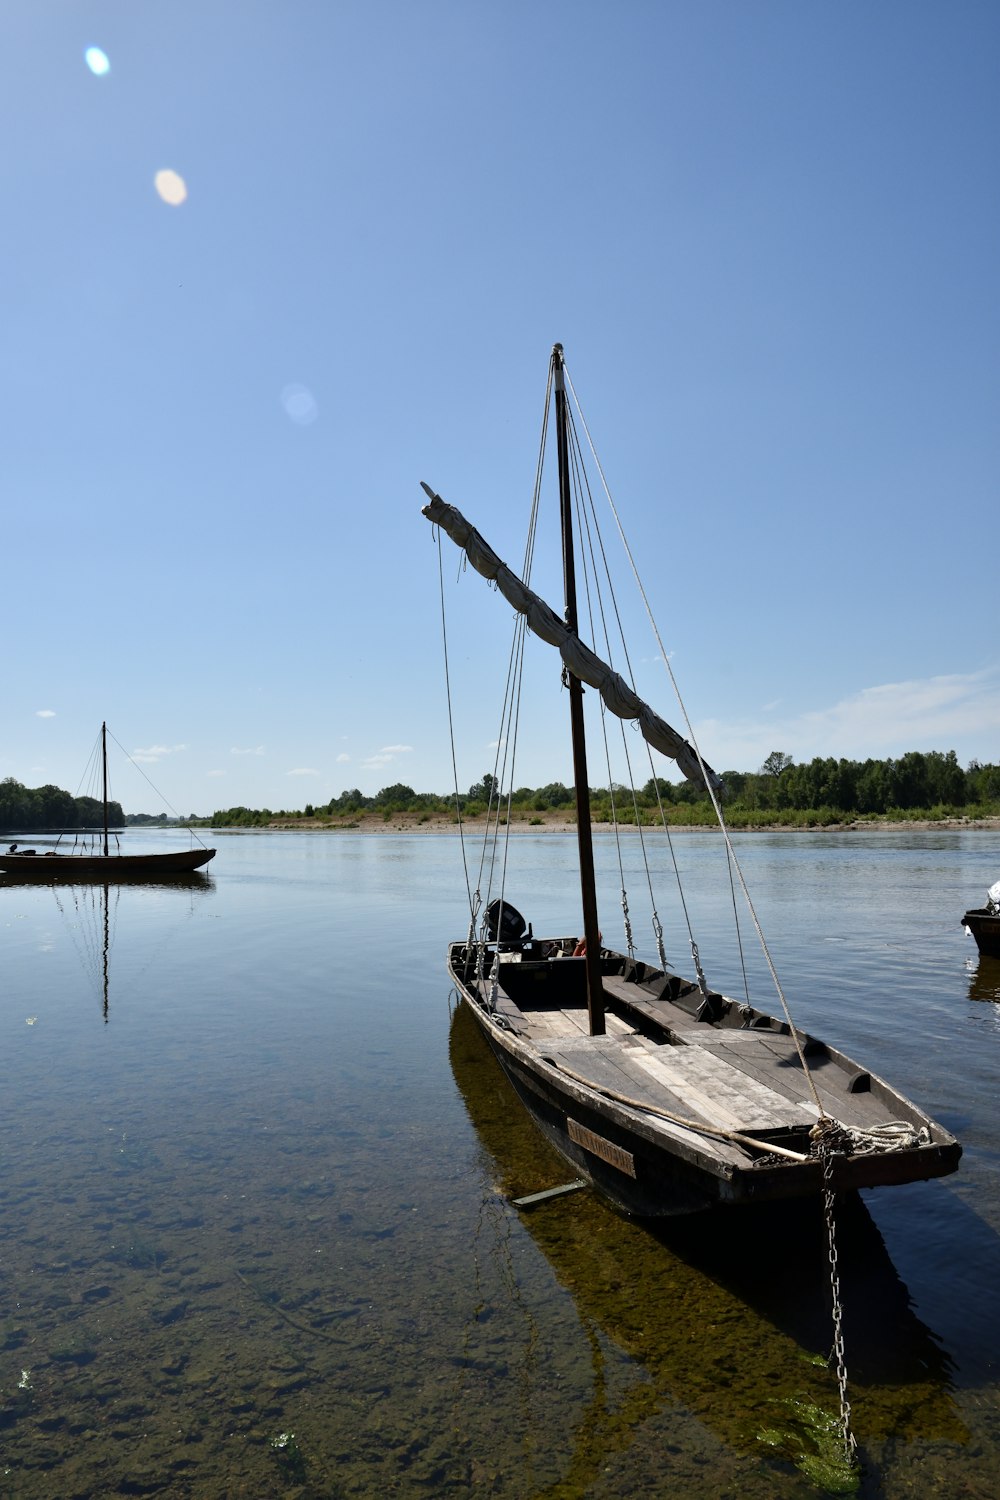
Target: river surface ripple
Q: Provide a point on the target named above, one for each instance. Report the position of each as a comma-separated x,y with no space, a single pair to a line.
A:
256,1235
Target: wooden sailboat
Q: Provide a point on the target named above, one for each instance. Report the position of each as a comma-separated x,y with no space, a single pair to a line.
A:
665,1094
98,862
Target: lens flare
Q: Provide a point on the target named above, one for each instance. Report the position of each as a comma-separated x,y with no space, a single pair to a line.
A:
171,187
97,61
299,404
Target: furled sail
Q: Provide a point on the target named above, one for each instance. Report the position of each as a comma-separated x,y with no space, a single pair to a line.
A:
580,660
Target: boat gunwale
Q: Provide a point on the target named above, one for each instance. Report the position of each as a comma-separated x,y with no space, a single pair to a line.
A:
724,1160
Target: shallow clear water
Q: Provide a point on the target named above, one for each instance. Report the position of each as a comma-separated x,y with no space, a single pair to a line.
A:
257,1171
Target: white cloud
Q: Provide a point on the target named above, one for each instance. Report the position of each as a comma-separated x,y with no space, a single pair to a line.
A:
45,713
252,750
302,771
155,753
215,773
342,758
385,757
939,713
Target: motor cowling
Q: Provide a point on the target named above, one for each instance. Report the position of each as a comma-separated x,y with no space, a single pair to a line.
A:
504,922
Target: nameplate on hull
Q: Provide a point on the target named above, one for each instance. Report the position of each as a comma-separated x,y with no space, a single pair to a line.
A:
598,1146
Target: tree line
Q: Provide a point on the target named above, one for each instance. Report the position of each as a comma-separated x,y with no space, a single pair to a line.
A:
33,809
921,783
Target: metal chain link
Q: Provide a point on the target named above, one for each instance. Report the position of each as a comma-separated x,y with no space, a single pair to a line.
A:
837,1354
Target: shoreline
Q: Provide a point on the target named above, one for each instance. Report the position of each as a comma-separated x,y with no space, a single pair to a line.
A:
553,823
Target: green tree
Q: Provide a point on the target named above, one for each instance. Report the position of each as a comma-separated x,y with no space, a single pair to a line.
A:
485,790
776,762
397,795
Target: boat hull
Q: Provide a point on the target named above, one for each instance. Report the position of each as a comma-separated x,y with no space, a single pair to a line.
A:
100,867
985,928
650,1168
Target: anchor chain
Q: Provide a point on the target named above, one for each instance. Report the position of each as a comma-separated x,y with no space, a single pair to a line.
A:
827,1151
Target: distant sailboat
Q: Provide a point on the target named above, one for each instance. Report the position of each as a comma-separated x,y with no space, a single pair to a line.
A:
101,863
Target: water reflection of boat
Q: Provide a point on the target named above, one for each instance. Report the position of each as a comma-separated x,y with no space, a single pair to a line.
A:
729,1332
984,979
89,910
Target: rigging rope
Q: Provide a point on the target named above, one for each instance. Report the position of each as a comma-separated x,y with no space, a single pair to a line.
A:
586,515
705,776
156,789
506,755
451,724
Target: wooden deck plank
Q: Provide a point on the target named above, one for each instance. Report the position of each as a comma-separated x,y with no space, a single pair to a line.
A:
570,1023
738,1100
688,1081
612,1071
776,1064
766,1056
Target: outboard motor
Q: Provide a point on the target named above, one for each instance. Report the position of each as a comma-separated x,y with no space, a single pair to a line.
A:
504,923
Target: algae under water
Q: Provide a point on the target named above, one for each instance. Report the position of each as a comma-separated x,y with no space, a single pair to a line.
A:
256,1232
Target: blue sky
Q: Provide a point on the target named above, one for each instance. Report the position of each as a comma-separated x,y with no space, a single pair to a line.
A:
766,233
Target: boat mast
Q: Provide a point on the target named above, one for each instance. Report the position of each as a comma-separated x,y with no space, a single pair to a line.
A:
104,786
591,931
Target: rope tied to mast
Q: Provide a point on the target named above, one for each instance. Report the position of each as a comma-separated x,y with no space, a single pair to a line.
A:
712,782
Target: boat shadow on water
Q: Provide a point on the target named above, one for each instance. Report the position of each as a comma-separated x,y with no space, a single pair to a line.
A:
726,1314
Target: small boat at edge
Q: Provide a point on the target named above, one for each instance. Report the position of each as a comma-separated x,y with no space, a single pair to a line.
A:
983,923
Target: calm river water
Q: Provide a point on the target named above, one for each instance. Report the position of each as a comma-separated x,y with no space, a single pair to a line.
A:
256,1236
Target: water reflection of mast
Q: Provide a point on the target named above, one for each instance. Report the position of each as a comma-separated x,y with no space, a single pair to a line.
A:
95,928
92,927
105,947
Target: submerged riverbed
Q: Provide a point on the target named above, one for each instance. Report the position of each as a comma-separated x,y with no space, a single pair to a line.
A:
256,1232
